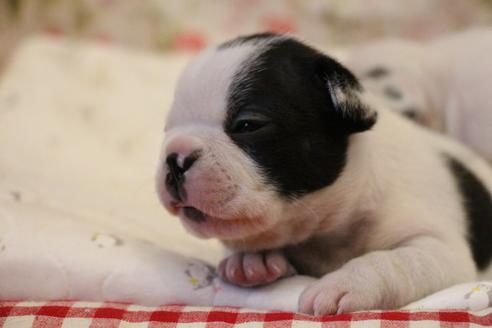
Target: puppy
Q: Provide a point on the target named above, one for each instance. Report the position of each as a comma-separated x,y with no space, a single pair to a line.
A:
276,150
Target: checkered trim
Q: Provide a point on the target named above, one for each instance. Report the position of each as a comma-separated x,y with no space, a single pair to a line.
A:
94,315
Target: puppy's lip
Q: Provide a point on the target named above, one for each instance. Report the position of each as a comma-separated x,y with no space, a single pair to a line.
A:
207,226
199,217
190,212
194,214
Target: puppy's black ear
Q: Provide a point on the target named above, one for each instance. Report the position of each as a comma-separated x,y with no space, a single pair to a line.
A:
347,110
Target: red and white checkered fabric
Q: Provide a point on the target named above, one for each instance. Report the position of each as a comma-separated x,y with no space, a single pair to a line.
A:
95,315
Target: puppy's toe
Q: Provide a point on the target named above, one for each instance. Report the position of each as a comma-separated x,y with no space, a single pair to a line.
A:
319,300
326,303
254,269
347,304
338,293
306,300
231,269
278,266
244,269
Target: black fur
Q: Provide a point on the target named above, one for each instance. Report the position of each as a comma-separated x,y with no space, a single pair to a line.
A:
477,203
303,146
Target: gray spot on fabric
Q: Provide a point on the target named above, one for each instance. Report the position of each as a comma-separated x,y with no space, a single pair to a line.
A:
16,195
410,113
377,72
392,92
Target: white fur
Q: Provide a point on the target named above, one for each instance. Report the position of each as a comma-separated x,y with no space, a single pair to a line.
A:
447,80
395,184
416,244
226,182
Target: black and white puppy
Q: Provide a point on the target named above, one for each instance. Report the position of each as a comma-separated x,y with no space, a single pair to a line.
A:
275,149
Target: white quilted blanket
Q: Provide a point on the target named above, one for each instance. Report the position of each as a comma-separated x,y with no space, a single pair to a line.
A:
80,127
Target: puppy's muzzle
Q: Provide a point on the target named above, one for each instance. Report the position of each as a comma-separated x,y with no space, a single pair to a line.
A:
175,177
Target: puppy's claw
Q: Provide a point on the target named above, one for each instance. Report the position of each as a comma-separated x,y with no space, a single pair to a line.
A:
254,267
277,266
234,269
323,302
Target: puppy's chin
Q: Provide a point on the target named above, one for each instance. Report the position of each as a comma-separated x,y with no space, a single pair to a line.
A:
267,239
231,229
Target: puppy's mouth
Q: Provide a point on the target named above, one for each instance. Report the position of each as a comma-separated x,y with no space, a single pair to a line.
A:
190,212
194,214
208,226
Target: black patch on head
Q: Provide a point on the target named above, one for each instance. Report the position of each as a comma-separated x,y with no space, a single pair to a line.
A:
252,38
377,72
301,141
477,202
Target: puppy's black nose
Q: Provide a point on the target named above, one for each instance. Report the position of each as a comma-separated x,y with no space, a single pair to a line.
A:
175,178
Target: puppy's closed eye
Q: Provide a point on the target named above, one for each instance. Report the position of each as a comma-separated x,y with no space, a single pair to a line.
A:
249,122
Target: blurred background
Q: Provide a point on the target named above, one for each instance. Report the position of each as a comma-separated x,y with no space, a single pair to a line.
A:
189,25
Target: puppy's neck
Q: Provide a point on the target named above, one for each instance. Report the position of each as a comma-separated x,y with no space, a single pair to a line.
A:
355,193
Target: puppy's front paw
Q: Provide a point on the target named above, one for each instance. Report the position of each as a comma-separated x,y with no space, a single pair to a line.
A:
336,293
255,269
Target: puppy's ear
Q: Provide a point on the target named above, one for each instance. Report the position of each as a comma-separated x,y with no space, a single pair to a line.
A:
346,107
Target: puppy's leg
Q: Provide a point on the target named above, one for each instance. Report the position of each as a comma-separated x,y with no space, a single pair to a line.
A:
254,269
390,278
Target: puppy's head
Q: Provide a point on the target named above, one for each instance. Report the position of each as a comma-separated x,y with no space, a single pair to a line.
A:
257,123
